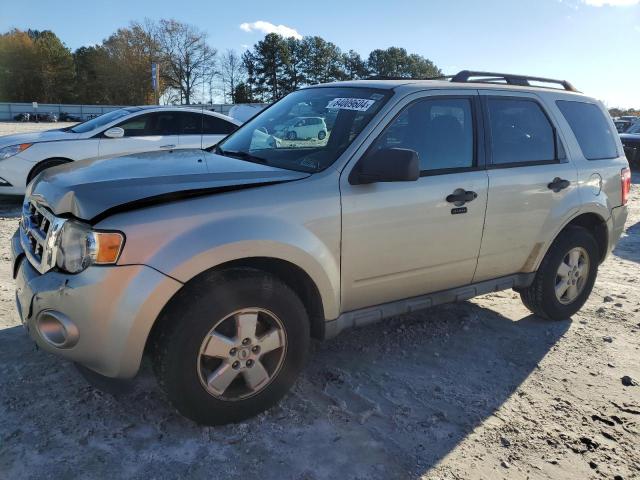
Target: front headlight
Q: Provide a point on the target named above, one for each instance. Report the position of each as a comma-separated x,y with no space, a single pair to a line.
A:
12,150
78,246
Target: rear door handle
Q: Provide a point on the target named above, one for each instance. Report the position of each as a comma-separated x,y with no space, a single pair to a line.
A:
171,145
461,196
558,184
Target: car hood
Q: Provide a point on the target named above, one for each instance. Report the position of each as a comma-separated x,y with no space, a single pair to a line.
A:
93,189
35,137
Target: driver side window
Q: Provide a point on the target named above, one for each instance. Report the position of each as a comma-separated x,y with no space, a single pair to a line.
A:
439,130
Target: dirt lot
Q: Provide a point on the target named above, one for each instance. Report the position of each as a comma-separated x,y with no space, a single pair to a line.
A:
479,389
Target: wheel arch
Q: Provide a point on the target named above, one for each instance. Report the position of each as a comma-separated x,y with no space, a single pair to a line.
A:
592,222
290,274
53,160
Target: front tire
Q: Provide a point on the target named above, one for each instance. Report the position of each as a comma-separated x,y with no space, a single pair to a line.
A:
231,346
566,276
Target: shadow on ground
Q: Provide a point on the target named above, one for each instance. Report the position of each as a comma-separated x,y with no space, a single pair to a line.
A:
385,401
628,246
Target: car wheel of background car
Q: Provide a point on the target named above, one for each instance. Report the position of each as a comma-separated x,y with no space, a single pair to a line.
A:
566,276
321,134
292,135
231,345
51,162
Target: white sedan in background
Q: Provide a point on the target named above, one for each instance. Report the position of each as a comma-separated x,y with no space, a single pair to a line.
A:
117,133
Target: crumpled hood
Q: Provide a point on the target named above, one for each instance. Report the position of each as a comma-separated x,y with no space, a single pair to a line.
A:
91,189
35,137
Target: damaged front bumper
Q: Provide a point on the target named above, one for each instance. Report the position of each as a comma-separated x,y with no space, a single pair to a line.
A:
106,311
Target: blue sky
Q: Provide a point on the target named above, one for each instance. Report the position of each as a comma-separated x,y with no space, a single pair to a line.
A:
593,43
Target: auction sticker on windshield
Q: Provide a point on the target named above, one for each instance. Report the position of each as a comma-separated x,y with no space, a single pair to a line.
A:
358,104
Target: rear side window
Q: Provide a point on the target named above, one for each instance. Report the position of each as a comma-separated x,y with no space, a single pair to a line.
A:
520,132
439,130
151,124
217,126
591,129
190,123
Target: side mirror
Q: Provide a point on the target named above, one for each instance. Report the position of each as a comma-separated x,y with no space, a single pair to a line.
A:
387,165
114,132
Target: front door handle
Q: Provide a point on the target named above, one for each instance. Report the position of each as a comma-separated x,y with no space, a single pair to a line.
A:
558,184
171,145
461,196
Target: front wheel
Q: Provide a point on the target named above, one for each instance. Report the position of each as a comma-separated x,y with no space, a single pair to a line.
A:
566,276
231,346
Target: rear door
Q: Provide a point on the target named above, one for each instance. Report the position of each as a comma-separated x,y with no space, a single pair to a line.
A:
148,132
532,183
405,239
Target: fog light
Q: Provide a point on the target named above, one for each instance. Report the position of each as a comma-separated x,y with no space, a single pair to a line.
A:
56,329
4,183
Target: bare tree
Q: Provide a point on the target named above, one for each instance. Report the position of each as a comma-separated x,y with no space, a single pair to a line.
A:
188,61
232,71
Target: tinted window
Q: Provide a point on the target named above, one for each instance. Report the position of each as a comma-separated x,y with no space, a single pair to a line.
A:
157,123
441,131
190,123
217,126
520,132
590,128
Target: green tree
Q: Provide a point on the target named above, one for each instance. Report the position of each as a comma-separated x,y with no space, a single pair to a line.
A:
270,57
54,67
354,66
19,79
396,62
128,72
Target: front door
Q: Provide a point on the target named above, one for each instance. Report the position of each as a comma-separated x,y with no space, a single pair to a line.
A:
149,132
405,239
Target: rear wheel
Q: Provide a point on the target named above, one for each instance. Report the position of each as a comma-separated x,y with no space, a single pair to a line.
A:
566,276
232,346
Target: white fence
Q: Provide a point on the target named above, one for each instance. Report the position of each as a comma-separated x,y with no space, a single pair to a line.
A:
8,111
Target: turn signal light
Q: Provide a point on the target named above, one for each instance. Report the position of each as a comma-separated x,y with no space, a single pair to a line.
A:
108,246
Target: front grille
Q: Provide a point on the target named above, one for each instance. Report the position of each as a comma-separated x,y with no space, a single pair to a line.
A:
39,229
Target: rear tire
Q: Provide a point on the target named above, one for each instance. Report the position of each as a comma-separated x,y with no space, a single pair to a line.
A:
547,296
201,330
40,167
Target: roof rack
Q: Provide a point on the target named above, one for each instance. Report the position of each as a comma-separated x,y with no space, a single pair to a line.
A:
487,77
508,78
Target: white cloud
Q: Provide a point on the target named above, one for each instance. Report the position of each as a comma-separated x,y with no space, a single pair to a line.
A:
612,3
268,27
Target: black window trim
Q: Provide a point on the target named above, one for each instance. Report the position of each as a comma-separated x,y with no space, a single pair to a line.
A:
557,143
478,161
147,113
574,134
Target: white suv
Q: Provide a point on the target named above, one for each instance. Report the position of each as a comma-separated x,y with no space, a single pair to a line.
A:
120,132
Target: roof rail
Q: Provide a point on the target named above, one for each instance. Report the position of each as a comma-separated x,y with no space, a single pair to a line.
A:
510,79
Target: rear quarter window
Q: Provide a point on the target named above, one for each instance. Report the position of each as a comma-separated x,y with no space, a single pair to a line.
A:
591,129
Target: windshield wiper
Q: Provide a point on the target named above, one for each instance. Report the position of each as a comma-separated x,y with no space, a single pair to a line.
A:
241,155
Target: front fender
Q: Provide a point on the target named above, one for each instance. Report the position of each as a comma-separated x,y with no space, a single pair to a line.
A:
202,247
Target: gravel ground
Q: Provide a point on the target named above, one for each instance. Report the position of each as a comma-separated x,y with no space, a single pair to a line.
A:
478,389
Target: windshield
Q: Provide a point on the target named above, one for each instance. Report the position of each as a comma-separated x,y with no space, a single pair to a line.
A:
307,130
100,121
